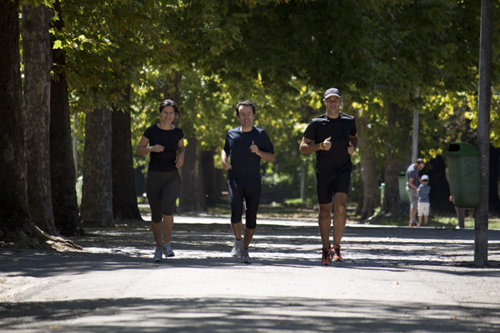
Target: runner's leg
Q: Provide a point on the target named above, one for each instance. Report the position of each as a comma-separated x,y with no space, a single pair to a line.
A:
170,193
325,223
236,202
339,220
252,200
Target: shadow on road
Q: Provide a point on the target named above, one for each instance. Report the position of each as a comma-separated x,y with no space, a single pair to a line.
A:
208,245
241,315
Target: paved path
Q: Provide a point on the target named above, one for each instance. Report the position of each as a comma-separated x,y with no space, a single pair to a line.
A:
392,280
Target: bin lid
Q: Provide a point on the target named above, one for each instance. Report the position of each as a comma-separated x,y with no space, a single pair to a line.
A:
462,149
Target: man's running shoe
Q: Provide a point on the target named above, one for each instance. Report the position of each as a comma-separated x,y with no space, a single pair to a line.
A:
167,250
244,256
336,253
236,251
326,259
157,256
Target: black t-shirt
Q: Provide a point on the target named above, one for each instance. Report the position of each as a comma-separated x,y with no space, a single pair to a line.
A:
337,159
164,161
245,165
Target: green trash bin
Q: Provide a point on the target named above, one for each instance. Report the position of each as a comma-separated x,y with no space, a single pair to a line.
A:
463,174
403,195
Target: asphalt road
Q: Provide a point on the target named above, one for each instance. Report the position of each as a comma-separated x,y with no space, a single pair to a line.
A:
392,280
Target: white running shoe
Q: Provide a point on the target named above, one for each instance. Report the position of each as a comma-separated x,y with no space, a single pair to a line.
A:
157,256
244,256
236,251
167,250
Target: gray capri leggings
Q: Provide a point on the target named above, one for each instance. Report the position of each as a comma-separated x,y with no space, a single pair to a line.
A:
163,189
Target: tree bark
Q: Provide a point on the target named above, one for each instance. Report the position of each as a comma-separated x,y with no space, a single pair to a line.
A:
187,197
16,223
62,165
97,190
37,66
390,205
210,186
393,164
483,131
172,90
124,194
201,202
191,197
359,207
370,186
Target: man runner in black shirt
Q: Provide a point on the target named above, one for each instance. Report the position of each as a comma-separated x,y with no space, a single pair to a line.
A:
333,137
245,146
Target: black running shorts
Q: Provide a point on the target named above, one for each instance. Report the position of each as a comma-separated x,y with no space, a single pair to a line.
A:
328,185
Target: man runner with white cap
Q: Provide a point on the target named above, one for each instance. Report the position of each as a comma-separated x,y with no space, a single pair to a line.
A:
333,137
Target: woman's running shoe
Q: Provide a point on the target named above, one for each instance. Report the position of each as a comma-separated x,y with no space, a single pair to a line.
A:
245,257
157,256
167,250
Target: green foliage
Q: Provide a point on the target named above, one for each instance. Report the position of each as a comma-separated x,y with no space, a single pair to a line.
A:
36,3
388,58
106,46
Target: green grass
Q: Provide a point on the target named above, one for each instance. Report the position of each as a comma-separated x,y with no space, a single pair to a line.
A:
440,222
298,209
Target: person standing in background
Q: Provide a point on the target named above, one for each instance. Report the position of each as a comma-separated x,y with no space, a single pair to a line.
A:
412,183
423,200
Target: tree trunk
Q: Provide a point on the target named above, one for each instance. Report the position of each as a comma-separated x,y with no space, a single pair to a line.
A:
62,165
359,207
370,186
16,224
191,197
390,205
124,194
210,186
171,88
97,190
37,66
483,131
396,117
187,198
201,203
371,191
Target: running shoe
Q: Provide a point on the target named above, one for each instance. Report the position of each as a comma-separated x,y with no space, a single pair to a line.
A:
236,251
336,253
326,259
244,256
157,256
167,250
